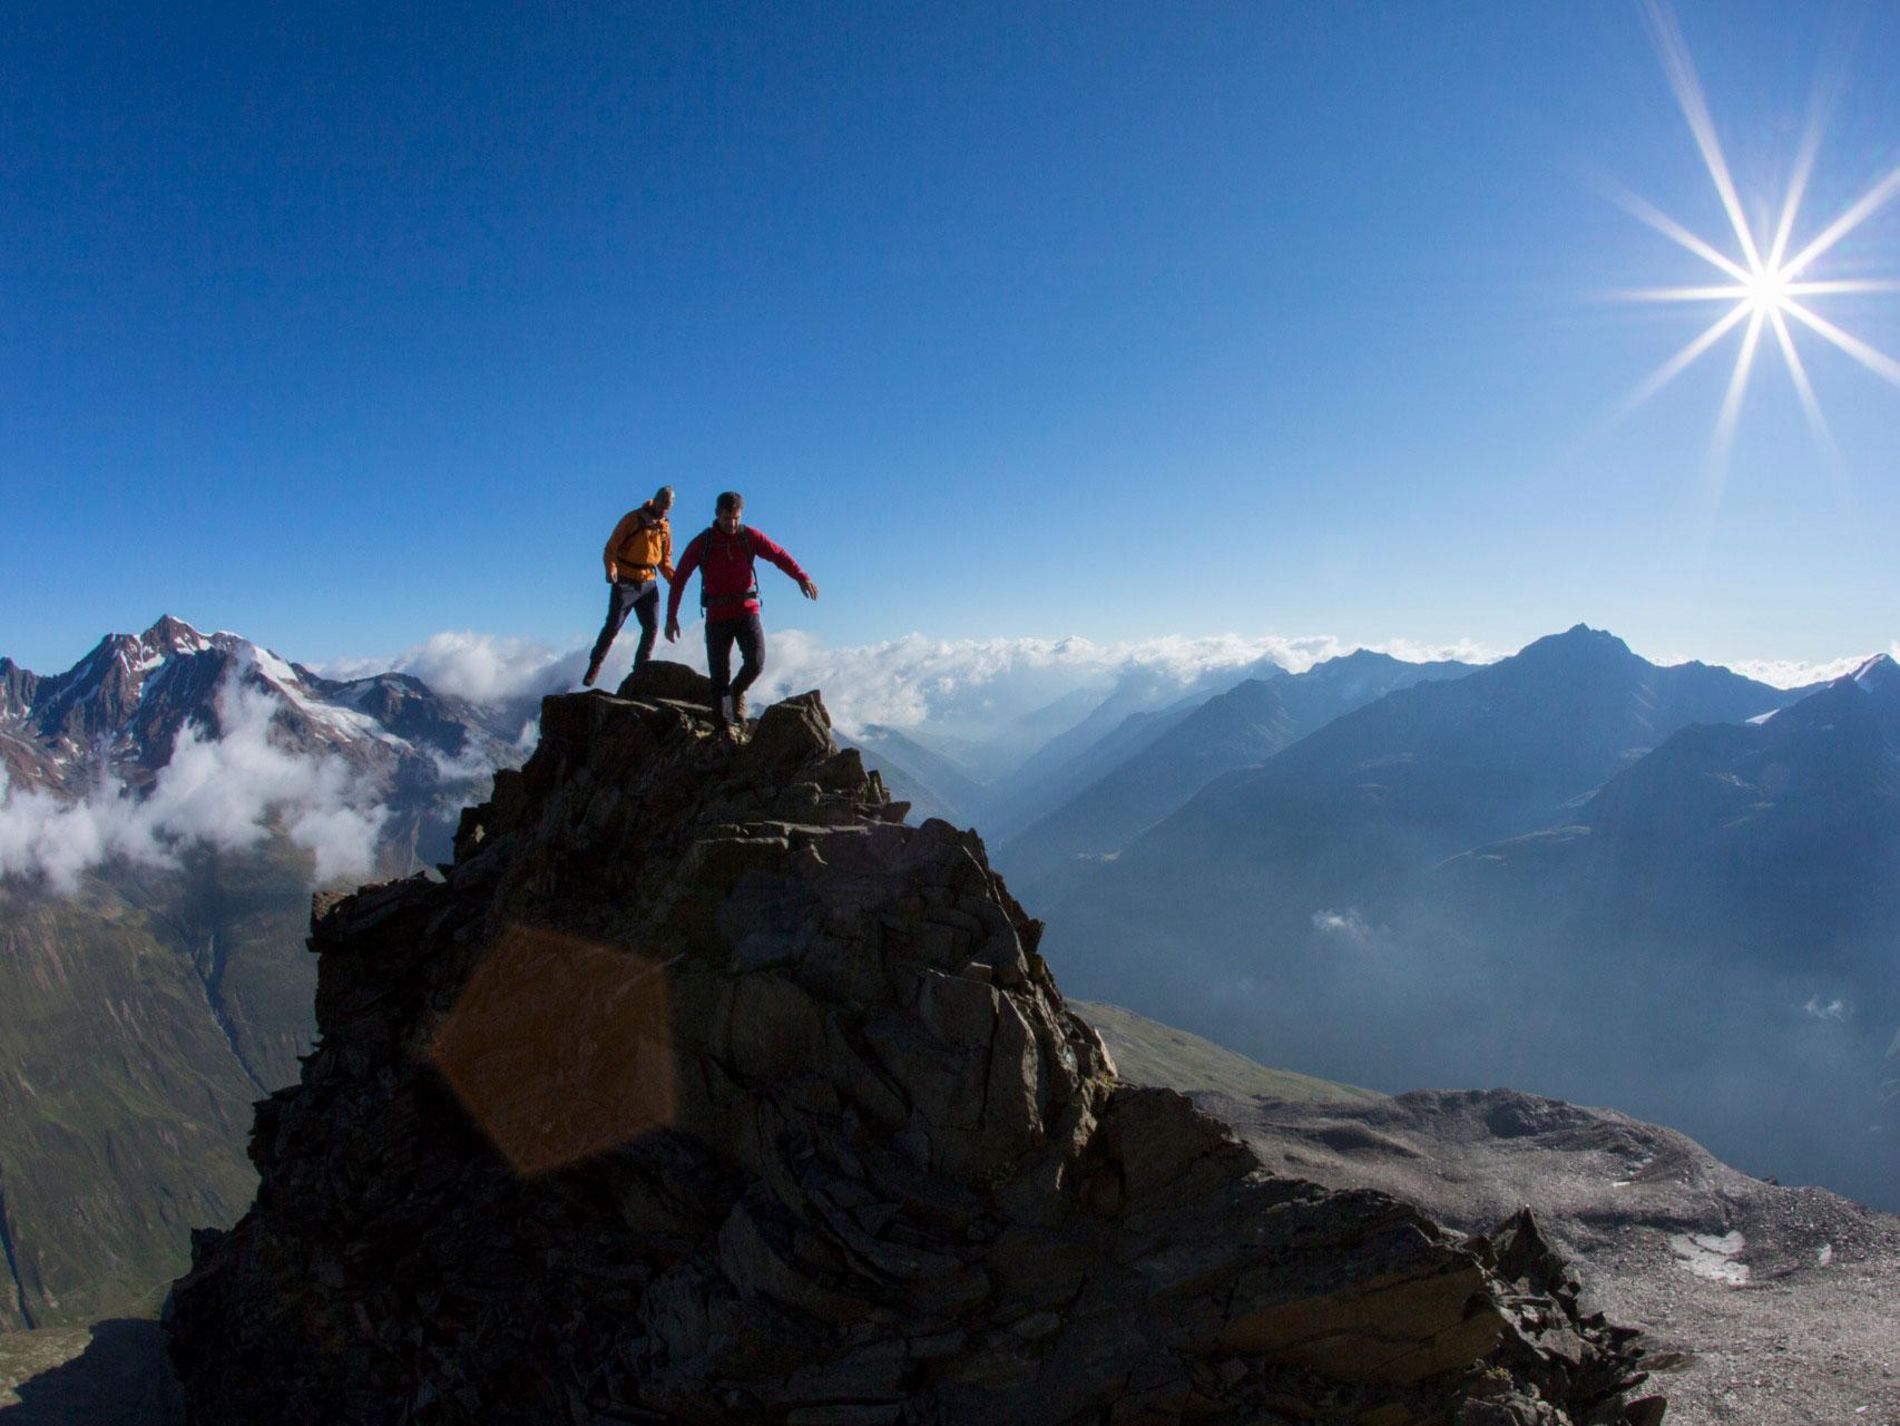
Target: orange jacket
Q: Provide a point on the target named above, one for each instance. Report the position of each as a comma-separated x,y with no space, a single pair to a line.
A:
641,543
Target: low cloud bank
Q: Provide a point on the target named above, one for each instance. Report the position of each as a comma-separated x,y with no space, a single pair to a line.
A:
481,668
971,685
1794,673
225,792
912,680
908,682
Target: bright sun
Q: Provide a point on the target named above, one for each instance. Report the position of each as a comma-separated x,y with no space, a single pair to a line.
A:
1765,286
1768,292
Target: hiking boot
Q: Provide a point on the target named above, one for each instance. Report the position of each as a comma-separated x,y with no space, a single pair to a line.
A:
722,715
593,672
738,709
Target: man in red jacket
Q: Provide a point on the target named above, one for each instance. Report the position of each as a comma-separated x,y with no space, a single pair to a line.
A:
729,595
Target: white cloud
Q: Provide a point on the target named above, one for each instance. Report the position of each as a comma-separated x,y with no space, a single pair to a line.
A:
971,683
1820,1009
226,792
482,668
41,835
1347,925
1795,673
469,777
973,686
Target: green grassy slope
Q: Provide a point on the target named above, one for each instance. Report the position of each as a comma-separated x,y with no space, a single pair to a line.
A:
25,1355
242,919
1148,1052
139,1021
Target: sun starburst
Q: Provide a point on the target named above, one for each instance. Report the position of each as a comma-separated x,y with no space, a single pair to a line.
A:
1762,285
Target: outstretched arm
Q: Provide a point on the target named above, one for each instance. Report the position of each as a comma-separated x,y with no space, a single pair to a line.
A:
688,563
763,544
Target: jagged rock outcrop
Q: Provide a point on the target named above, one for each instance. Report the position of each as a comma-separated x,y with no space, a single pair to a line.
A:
704,1090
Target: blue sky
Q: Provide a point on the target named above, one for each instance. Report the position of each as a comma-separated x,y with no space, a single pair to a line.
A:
349,324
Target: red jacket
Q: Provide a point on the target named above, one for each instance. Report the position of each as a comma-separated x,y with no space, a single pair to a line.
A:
729,582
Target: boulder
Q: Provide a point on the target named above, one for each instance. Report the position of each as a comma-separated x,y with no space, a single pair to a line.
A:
662,678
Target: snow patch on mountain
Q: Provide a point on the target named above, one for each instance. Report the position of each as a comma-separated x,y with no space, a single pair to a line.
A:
1714,1257
1878,673
335,717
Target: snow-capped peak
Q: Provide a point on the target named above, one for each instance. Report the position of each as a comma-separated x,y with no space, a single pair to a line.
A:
167,639
1879,673
175,636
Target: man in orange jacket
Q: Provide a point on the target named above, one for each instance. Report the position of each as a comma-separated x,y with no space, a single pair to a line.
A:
638,552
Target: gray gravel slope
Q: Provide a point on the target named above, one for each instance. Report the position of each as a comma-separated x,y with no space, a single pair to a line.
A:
1766,1305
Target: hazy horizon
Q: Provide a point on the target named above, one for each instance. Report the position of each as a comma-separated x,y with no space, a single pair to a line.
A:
487,667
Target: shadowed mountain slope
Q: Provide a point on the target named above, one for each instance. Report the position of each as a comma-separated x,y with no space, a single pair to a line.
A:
122,1108
1785,831
1356,814
933,785
1245,725
1141,705
1614,885
1762,861
1431,770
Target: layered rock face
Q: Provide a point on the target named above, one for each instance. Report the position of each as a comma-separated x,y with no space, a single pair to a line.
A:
705,1090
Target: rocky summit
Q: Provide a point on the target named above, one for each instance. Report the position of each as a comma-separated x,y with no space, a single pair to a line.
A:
701,1088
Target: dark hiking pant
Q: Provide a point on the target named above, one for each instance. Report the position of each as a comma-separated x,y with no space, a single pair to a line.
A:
721,634
630,596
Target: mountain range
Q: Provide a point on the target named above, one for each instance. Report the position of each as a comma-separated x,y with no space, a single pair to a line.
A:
1197,744
933,784
1139,707
1671,889
1386,873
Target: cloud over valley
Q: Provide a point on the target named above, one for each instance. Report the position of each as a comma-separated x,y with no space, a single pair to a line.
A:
227,792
